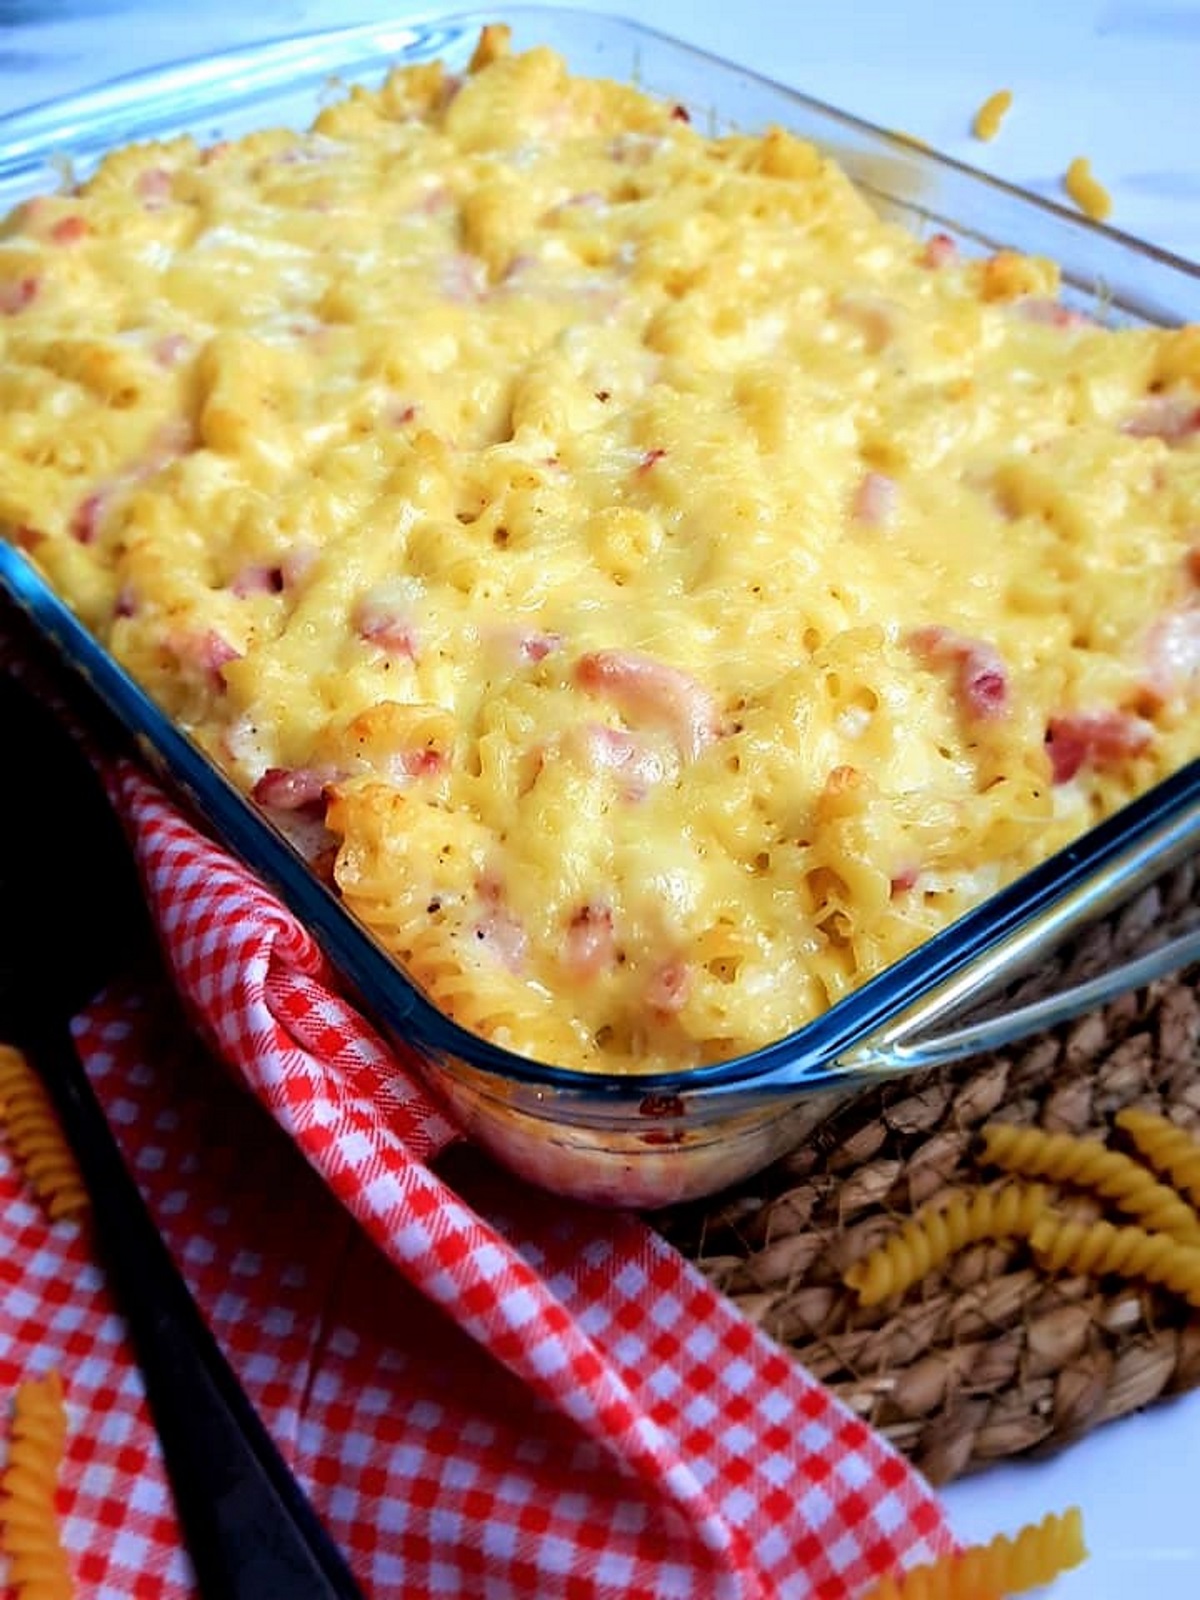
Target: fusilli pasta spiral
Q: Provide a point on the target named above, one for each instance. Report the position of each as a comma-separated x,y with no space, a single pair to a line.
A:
1100,1248
1003,1566
36,1139
1132,1187
939,1230
1168,1149
29,1533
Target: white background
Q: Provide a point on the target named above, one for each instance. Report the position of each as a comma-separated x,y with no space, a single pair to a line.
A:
1117,80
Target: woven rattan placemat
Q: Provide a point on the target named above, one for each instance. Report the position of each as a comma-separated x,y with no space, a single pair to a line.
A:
991,1357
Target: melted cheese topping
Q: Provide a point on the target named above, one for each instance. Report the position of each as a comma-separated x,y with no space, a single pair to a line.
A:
673,591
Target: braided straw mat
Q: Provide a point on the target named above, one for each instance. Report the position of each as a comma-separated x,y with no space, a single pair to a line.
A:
990,1357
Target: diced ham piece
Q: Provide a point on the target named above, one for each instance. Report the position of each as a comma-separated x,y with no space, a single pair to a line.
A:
1098,739
297,563
292,788
383,626
520,266
154,187
85,520
170,350
211,652
437,198
1173,652
940,251
16,296
522,644
1192,564
27,538
874,500
464,278
590,945
904,880
206,652
669,987
650,459
499,929
981,678
423,763
1173,418
1051,313
613,750
537,646
642,687
257,579
69,230
126,603
176,438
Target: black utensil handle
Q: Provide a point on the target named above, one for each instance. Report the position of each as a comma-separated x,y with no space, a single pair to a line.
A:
250,1531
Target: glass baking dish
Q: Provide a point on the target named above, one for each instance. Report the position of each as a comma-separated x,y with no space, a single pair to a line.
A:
650,1140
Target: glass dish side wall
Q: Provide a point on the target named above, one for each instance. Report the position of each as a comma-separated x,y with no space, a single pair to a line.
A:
570,1130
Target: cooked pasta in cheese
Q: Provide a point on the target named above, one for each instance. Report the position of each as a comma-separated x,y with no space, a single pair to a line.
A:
665,592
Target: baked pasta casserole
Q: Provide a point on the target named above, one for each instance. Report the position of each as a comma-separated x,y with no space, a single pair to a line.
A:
659,591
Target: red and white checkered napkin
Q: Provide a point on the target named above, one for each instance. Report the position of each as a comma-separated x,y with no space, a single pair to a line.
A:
487,1392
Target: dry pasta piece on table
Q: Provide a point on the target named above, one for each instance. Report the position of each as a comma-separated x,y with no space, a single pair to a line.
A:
1006,1565
36,1138
1088,193
29,1531
1089,1164
938,1231
1167,1148
991,114
1101,1249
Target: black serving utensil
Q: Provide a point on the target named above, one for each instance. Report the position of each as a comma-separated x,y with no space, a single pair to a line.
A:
71,918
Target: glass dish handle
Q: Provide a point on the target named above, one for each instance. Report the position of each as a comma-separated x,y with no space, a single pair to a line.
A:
896,1049
1120,924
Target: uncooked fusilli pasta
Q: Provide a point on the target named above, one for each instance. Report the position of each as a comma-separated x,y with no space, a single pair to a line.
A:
29,1532
1168,1149
1003,1566
36,1139
1132,1187
1100,1248
939,1230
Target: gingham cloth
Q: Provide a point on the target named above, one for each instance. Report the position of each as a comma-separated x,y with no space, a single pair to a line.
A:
486,1392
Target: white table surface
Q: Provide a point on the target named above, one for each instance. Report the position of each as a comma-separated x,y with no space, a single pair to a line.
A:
1116,80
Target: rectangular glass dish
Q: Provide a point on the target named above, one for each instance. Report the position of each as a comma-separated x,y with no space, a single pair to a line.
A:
648,1139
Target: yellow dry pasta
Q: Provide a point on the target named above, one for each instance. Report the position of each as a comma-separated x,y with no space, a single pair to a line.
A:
1006,1565
1168,1149
1100,1249
939,1230
36,1138
991,114
1090,195
1064,1158
29,1530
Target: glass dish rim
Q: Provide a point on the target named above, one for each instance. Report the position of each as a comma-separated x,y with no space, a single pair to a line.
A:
805,1059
